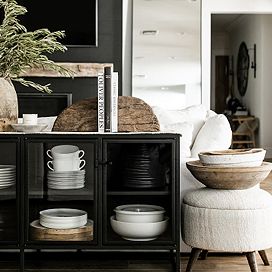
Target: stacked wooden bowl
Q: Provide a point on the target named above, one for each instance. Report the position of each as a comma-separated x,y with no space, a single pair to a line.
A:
231,169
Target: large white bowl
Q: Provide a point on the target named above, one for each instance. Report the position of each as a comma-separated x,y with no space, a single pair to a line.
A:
139,231
233,157
139,213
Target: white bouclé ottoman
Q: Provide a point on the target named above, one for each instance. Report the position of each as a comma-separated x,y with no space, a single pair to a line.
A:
227,220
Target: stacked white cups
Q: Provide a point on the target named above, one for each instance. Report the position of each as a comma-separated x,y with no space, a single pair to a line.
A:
65,158
66,167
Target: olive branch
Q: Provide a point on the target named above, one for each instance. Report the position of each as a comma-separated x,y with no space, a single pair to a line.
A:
21,50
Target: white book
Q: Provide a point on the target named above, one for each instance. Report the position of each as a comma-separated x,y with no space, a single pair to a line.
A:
100,103
114,103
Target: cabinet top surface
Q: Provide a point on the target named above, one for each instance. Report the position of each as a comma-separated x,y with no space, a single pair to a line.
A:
128,134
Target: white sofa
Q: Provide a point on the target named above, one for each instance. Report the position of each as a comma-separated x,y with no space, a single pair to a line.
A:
201,130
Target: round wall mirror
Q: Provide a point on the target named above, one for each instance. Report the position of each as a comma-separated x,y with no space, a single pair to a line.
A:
242,68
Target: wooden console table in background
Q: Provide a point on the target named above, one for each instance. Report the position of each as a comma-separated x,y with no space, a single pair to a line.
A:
244,129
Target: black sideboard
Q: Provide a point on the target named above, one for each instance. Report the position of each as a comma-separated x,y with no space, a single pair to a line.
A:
110,180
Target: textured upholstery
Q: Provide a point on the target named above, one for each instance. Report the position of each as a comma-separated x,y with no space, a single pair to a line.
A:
227,220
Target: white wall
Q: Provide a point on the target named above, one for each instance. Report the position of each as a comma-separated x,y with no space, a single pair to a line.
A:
258,96
222,6
248,29
266,95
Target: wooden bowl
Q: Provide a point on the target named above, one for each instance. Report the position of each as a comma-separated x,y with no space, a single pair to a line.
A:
229,178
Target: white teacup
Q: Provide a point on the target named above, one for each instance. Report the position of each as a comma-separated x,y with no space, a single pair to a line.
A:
65,152
59,165
30,119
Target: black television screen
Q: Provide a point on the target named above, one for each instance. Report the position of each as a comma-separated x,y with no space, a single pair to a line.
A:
77,18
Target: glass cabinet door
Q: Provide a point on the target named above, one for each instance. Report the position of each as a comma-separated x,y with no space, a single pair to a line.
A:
9,188
60,190
138,178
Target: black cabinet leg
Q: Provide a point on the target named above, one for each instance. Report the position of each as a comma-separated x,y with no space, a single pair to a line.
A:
193,258
22,260
204,254
251,258
177,264
264,257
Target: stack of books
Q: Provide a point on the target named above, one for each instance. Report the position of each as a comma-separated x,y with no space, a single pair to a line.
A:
107,108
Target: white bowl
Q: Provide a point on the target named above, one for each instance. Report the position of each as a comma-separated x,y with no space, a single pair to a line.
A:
233,157
29,128
139,231
139,213
63,218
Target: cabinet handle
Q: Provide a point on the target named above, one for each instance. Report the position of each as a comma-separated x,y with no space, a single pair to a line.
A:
104,163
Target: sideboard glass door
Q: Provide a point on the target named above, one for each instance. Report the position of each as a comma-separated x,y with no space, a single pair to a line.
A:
60,181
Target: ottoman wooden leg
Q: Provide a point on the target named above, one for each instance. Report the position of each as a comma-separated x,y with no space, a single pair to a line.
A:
204,254
251,258
193,258
264,257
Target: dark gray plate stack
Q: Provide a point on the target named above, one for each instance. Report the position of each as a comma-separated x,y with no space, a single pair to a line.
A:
142,167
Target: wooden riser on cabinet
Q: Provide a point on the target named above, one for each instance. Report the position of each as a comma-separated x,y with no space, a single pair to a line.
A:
80,69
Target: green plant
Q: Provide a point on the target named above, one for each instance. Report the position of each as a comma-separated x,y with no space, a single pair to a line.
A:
21,50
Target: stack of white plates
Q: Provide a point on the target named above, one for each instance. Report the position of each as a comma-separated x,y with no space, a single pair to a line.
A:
63,218
7,176
64,180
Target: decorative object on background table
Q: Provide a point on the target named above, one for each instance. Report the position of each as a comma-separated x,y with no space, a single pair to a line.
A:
34,46
241,111
142,167
233,157
229,178
139,222
242,68
7,176
63,218
66,167
133,115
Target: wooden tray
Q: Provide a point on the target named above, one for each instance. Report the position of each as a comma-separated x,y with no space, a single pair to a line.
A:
38,232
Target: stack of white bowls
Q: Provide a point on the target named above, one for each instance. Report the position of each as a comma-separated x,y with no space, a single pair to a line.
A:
232,169
63,218
139,222
7,176
233,157
66,167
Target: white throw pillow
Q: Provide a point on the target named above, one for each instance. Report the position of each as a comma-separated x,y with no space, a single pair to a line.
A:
163,116
196,115
186,131
215,134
